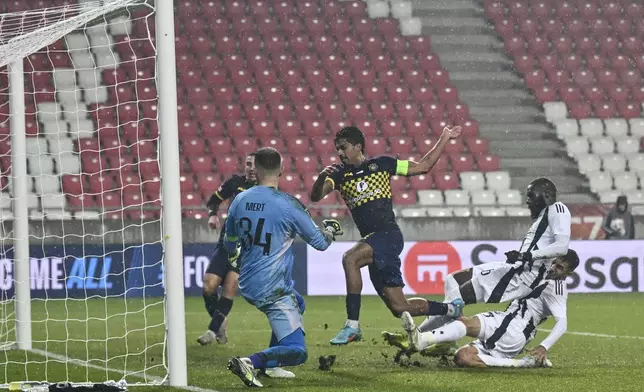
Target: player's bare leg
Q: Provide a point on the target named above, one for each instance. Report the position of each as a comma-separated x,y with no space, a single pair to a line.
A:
218,324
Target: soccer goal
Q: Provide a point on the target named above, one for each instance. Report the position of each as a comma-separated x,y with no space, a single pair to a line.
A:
91,284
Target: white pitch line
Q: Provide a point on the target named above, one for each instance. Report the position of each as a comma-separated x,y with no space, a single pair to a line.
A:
597,335
80,362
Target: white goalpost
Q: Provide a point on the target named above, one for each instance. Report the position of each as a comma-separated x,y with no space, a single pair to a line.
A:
91,260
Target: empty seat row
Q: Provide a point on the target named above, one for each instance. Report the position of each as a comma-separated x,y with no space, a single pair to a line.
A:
602,145
605,181
616,128
612,163
459,197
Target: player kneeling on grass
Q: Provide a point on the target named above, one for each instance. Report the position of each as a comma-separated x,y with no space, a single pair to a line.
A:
261,226
501,336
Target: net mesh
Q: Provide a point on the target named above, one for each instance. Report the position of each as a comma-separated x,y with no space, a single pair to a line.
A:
93,192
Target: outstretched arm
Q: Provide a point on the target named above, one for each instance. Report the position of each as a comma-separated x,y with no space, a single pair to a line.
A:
429,160
324,184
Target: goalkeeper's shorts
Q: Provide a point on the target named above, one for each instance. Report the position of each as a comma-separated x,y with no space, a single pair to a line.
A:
219,264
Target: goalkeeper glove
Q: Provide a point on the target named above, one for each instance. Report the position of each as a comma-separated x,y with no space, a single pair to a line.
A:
233,257
514,256
333,227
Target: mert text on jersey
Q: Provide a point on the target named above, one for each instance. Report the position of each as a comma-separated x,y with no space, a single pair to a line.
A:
264,221
366,190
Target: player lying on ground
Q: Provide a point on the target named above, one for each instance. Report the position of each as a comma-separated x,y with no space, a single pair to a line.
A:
265,221
547,238
219,269
365,185
501,336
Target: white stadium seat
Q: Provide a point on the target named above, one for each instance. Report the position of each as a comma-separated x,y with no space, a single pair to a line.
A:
555,111
81,129
635,197
600,181
471,180
6,215
36,146
462,212
49,111
68,163
77,42
73,111
490,211
577,146
591,127
430,197
32,201
609,197
413,212
401,9
411,26
589,163
107,59
483,198
567,128
95,95
83,59
498,180
69,96
636,126
64,78
636,164
457,197
602,146
54,201
35,215
378,9
625,181
434,212
517,211
39,165
101,41
121,25
61,145
47,184
89,78
616,127
614,163
54,128
510,197
5,201
628,146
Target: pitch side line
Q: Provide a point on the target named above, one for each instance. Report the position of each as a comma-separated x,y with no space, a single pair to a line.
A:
596,335
80,362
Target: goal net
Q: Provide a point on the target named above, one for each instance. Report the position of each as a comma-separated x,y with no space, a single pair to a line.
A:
93,193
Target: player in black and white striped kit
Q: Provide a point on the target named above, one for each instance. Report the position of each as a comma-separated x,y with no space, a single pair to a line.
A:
502,336
547,238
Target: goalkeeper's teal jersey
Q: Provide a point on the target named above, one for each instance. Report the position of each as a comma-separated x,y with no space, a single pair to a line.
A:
265,221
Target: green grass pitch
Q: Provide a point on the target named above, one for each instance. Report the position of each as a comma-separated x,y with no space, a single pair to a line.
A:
593,362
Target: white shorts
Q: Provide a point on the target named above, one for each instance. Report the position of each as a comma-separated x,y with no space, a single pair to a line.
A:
488,286
509,345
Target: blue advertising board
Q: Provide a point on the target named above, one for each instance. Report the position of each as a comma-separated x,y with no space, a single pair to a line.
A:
83,271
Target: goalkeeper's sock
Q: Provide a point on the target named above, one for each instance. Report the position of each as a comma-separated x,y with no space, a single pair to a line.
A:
211,303
353,307
221,312
290,351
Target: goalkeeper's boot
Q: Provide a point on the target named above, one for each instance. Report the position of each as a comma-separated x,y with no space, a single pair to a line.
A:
446,349
398,340
347,335
222,334
207,338
243,368
277,373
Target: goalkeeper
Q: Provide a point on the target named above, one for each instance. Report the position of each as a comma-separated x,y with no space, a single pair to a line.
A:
261,227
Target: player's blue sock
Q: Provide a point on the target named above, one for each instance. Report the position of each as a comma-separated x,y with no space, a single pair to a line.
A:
290,351
221,312
437,308
353,306
211,303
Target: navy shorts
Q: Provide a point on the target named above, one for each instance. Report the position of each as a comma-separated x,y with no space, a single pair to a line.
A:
385,269
219,264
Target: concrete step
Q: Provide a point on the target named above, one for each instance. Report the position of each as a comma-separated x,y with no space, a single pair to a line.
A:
446,30
479,75
506,111
499,102
483,84
516,148
454,22
540,166
577,198
465,39
502,136
446,5
495,94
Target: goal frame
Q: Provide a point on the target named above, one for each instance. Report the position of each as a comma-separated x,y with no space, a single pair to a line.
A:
170,198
